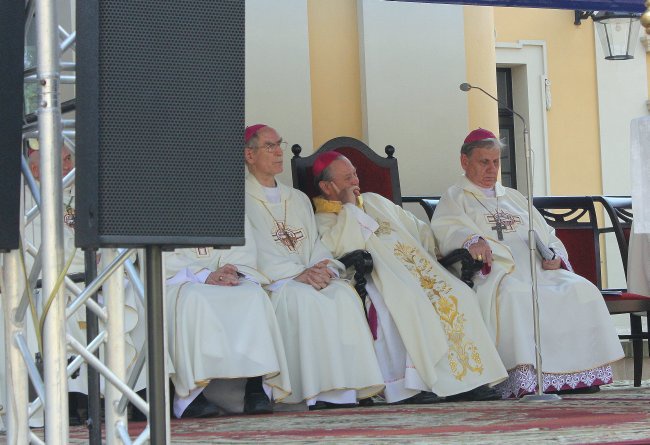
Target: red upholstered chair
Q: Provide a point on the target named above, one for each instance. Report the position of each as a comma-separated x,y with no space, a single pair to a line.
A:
575,223
376,174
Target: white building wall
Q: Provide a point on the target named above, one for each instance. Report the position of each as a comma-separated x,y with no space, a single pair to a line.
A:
278,81
412,62
622,95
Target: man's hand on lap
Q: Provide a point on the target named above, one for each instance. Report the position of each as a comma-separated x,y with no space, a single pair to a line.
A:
318,275
224,276
552,264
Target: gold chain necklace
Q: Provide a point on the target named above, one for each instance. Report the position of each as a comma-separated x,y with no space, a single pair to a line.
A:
498,226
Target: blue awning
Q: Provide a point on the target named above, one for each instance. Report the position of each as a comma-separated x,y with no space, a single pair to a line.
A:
585,5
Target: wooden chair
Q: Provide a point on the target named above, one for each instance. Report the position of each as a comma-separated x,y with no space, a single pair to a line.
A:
575,223
619,212
376,174
429,204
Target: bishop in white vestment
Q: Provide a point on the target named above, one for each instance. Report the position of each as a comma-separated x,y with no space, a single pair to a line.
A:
134,317
430,335
578,338
327,340
221,323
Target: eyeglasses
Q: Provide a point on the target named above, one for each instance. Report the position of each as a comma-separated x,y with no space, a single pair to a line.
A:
270,146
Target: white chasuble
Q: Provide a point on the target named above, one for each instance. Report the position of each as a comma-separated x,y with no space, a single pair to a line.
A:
134,315
326,337
437,316
578,338
221,332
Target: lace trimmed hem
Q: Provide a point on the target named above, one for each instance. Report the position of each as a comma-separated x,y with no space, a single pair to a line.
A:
522,380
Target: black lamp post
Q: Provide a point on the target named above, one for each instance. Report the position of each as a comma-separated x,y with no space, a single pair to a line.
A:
618,32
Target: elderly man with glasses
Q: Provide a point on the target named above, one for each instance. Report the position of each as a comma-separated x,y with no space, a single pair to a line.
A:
328,344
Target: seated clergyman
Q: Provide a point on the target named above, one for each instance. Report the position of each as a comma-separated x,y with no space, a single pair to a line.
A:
428,330
578,339
221,326
327,341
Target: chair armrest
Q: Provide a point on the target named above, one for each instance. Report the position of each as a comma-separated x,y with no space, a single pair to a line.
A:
361,260
468,265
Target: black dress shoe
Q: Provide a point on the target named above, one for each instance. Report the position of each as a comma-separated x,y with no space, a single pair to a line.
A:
257,403
329,405
422,398
582,390
135,414
481,394
367,402
200,407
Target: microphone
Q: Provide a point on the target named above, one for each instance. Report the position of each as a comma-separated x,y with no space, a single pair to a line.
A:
466,87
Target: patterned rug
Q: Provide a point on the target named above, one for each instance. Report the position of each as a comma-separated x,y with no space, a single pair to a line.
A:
619,414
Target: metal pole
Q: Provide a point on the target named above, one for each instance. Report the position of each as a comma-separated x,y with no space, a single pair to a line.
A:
531,246
157,384
49,130
114,298
539,396
92,330
15,369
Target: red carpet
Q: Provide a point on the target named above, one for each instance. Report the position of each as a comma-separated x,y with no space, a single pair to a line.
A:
617,415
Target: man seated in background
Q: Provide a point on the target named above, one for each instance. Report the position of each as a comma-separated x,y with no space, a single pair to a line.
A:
578,339
428,330
222,327
76,324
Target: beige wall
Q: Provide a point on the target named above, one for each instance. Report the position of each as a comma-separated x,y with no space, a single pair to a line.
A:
573,130
480,55
412,62
335,83
278,85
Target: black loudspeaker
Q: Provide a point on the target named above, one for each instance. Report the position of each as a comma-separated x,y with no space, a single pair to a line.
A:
11,106
160,122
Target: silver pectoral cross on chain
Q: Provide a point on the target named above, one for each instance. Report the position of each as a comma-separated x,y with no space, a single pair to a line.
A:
498,227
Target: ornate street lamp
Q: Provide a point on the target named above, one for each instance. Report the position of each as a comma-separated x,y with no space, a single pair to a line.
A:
618,32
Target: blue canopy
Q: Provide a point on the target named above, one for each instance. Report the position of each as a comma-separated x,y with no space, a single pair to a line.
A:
585,5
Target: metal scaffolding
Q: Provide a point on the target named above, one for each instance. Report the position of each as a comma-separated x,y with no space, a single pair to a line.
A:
25,307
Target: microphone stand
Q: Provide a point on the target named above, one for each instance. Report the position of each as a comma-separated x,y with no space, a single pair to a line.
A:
539,396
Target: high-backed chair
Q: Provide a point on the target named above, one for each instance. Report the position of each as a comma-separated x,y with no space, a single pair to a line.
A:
575,223
376,174
619,212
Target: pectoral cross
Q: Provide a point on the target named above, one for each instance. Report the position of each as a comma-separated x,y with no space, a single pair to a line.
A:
498,227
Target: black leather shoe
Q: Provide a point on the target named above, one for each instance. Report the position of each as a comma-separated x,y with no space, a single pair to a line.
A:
328,405
200,407
257,403
481,394
135,414
422,398
583,390
367,402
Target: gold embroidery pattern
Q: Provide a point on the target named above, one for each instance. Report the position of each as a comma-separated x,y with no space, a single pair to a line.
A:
384,228
69,214
508,221
463,354
287,236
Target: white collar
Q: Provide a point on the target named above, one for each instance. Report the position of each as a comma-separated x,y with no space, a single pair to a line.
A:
273,194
